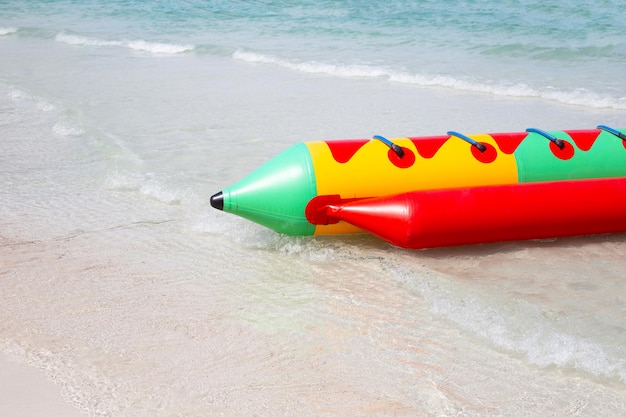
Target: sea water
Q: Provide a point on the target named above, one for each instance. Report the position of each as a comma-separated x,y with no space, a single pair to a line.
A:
125,288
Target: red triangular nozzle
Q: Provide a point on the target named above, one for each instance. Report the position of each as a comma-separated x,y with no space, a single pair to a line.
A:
385,217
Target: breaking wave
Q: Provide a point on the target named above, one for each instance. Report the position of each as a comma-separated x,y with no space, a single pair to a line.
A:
156,48
578,97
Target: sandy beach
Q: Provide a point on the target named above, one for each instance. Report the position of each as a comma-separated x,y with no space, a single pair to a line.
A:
26,392
123,293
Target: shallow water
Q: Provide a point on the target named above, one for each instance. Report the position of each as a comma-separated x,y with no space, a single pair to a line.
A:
124,286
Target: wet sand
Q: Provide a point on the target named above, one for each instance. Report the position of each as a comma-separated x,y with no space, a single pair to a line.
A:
26,392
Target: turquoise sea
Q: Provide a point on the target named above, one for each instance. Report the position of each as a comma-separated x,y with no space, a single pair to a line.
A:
119,282
568,52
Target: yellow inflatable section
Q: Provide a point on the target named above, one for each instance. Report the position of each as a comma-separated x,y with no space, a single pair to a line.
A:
373,169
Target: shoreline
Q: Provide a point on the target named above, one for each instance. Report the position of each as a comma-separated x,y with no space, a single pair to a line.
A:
128,294
26,392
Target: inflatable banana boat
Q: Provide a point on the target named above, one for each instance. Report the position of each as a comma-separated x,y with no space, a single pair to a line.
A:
454,189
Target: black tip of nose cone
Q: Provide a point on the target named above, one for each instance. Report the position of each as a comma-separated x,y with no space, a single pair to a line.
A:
217,201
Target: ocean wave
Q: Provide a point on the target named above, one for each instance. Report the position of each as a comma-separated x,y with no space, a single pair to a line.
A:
41,104
313,67
159,48
83,40
162,188
64,129
579,97
156,48
525,330
7,31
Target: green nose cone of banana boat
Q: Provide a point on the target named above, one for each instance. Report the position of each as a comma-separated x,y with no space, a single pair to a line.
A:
276,194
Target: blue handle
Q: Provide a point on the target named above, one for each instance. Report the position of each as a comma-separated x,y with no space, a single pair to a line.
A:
397,149
558,142
613,131
481,146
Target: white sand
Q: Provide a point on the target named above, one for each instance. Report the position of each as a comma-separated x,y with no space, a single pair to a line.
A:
25,392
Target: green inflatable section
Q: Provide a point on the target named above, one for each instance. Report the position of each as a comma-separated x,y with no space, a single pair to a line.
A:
536,161
275,194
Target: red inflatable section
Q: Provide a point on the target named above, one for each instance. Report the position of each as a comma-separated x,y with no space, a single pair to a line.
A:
463,216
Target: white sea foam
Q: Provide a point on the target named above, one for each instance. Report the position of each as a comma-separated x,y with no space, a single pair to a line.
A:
7,31
46,106
159,48
579,97
123,181
525,330
137,45
65,129
71,39
43,105
312,67
162,193
151,185
16,94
